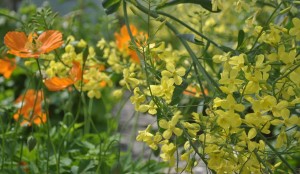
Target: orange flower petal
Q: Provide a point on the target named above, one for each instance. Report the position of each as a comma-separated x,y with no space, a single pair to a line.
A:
76,72
25,47
51,40
24,54
134,56
123,39
7,66
31,107
16,41
102,83
192,91
57,84
41,118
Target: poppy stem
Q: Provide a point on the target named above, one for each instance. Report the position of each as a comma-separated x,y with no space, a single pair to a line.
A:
48,125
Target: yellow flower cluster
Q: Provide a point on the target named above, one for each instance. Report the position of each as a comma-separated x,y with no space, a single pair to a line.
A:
259,93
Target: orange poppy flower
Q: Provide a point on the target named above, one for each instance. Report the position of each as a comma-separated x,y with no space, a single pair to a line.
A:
57,84
7,66
194,91
123,39
24,166
32,46
31,108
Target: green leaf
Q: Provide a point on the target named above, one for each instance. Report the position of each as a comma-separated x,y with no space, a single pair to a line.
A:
206,4
226,49
68,119
31,142
111,6
241,37
85,53
85,166
109,3
177,94
190,38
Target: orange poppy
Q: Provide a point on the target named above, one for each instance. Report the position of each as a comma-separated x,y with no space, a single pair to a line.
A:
57,83
31,108
194,91
32,46
123,39
24,166
7,66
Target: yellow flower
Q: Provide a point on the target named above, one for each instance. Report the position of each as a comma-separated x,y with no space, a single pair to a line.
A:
129,78
186,155
272,36
193,128
231,81
221,58
252,133
170,126
228,119
167,154
165,89
229,103
295,31
259,121
286,57
253,84
237,62
151,108
82,43
147,137
138,98
171,72
281,139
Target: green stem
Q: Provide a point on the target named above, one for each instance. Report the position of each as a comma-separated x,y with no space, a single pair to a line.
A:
195,148
12,17
275,151
262,161
21,151
281,77
192,29
100,156
48,124
3,144
87,116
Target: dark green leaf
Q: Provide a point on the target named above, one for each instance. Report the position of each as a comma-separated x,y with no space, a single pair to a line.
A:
68,119
111,6
226,49
85,165
109,3
190,38
85,53
31,142
177,94
241,37
204,3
